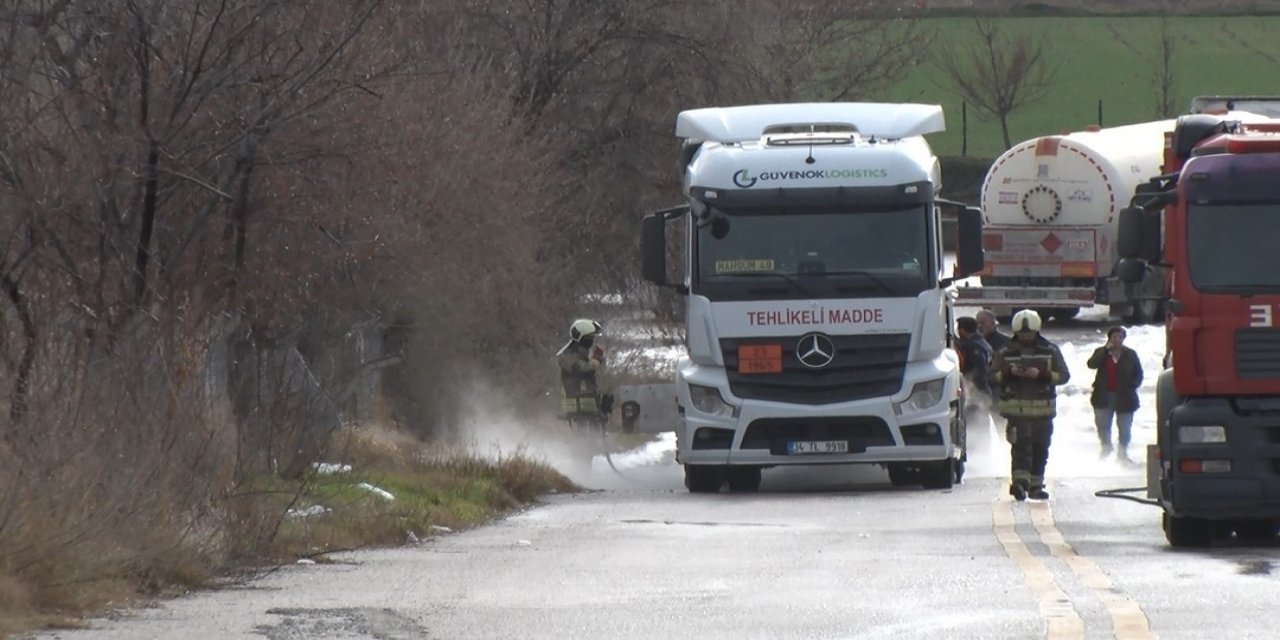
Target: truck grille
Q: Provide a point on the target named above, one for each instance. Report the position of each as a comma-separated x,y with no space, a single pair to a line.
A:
864,366
1258,353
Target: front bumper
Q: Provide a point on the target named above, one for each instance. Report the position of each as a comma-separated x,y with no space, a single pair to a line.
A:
1251,489
761,433
1040,297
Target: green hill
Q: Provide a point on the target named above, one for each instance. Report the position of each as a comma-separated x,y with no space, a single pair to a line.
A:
1103,61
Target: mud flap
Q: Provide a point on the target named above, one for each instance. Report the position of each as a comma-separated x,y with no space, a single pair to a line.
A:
1153,472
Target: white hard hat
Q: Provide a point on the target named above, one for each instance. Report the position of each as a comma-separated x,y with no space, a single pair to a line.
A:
582,328
1025,320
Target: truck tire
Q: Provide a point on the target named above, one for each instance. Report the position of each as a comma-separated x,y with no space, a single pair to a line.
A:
1143,312
1166,400
701,478
939,474
743,479
1188,533
1146,307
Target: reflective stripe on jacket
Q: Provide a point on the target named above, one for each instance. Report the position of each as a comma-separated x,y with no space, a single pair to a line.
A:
578,380
1021,397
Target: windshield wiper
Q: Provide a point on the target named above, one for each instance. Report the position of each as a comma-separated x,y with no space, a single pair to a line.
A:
857,272
762,274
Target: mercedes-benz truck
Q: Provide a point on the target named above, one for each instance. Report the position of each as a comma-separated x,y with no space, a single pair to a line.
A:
818,293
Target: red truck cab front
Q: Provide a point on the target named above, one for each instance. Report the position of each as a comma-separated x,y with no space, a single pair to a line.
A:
1210,221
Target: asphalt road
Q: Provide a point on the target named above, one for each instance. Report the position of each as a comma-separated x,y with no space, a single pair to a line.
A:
832,552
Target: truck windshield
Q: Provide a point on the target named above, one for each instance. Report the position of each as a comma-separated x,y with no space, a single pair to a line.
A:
1231,247
788,255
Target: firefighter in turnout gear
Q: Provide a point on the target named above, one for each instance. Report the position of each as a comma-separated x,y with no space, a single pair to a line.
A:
581,363
1024,374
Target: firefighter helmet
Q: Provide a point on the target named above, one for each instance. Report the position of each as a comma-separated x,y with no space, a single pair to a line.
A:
583,328
1025,320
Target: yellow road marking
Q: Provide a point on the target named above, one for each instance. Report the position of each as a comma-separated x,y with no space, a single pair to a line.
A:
1128,622
1055,607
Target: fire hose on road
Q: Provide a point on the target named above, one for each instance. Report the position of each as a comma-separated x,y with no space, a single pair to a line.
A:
1120,494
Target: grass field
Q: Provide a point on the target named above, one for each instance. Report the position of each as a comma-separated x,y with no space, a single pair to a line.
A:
1112,60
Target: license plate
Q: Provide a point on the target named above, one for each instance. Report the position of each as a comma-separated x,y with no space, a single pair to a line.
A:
801,447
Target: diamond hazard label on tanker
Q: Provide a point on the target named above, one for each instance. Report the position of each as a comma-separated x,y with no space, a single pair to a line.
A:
1051,243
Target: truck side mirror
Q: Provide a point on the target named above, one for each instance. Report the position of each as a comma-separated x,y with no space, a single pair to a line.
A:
653,245
1138,234
969,255
1191,129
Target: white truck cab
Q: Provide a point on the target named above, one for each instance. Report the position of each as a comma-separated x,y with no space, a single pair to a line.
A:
817,294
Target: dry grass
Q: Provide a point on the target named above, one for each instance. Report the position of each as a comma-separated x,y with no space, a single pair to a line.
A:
62,558
433,487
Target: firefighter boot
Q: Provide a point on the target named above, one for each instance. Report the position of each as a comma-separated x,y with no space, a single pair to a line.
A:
1038,493
1018,491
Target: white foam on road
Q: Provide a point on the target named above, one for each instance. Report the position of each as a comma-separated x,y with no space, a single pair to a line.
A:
1075,449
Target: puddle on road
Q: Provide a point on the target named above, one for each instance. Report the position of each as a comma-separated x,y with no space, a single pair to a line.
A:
358,622
704,524
1255,567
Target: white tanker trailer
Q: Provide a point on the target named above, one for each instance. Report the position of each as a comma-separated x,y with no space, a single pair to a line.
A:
1050,212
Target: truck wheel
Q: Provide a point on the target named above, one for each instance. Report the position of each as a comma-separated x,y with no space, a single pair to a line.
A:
1145,296
1143,312
940,474
743,479
902,475
1188,532
959,468
700,478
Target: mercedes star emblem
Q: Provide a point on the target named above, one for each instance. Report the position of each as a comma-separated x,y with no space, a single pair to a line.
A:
815,350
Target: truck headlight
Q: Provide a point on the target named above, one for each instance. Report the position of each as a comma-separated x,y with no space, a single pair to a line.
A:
923,396
708,400
1202,435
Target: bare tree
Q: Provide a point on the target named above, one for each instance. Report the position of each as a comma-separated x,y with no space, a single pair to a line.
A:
601,84
1159,60
998,72
1163,72
819,50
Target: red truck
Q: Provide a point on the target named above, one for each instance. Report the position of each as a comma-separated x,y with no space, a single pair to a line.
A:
1210,221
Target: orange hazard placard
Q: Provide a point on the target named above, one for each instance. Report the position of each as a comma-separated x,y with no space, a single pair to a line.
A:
760,358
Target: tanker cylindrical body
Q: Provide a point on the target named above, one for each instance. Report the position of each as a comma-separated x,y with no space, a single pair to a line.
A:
1051,210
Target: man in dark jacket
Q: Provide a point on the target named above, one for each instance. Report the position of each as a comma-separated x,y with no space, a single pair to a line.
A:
975,359
987,323
1025,374
1115,390
975,354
